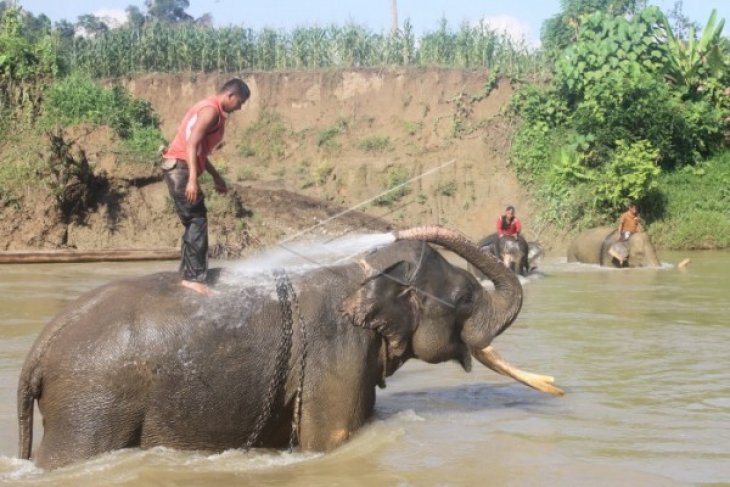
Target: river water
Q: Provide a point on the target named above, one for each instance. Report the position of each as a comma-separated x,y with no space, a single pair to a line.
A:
642,355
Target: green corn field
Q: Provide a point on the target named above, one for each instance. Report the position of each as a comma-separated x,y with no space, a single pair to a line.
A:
162,47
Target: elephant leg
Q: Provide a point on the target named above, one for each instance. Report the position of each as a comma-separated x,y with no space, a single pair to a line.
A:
318,434
79,428
330,421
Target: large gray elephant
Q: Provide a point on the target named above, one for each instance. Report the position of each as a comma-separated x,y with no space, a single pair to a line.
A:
515,252
592,247
144,362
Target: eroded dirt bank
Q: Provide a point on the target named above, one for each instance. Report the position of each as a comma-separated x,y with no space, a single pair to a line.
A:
306,146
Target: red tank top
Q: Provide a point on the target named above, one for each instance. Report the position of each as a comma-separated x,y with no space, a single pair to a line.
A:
177,150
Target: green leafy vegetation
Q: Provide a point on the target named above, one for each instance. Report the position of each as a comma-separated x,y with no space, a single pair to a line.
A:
78,99
264,139
629,107
625,105
24,65
327,138
447,188
189,47
375,143
322,170
694,206
395,182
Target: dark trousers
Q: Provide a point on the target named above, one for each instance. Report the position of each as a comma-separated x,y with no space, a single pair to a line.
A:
194,217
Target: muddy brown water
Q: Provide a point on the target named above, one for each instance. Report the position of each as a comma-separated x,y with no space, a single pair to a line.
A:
642,354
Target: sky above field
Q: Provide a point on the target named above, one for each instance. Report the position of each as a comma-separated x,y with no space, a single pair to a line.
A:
521,18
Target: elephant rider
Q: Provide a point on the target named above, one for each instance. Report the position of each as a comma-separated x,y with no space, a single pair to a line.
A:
200,131
508,225
628,224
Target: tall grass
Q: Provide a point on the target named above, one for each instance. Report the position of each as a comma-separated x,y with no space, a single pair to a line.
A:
188,48
696,207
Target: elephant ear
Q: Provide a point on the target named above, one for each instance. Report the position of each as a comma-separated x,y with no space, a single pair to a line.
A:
386,303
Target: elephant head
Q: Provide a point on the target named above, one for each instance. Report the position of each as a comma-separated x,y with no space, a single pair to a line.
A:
514,251
428,309
641,251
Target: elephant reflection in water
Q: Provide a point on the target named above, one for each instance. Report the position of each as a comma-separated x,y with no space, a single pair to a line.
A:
143,362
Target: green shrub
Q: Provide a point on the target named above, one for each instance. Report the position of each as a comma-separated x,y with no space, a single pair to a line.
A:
143,144
691,207
265,137
412,128
375,143
447,188
326,137
245,173
246,150
395,182
322,171
79,99
629,176
695,230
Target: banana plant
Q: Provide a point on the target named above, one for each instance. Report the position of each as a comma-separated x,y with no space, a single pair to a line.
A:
693,61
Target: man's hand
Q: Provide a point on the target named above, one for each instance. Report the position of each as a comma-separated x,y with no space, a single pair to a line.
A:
191,190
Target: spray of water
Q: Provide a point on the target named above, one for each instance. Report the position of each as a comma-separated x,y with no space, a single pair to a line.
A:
303,256
300,256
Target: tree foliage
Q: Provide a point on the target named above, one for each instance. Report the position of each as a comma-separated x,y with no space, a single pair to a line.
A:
23,63
170,11
633,100
561,30
691,63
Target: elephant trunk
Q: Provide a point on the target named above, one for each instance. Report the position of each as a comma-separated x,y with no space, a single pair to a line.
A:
506,301
499,310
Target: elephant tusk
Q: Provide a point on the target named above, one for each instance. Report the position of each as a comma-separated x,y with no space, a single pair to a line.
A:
543,383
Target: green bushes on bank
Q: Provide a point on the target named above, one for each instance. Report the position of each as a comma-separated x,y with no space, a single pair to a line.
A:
79,99
695,209
619,123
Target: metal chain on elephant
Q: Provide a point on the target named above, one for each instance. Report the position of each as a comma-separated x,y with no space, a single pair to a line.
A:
296,416
284,291
282,358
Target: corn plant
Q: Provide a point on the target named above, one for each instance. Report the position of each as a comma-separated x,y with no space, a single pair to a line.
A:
159,47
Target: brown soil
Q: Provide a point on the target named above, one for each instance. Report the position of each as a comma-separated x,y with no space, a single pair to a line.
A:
293,182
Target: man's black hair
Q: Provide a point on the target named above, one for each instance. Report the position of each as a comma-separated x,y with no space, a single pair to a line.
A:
238,87
510,208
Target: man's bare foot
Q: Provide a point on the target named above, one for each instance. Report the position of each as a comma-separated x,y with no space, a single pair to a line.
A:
199,287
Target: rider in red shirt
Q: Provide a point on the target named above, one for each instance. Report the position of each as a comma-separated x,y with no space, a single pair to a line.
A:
508,224
200,131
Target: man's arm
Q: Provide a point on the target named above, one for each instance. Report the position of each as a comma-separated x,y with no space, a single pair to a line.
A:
207,119
218,181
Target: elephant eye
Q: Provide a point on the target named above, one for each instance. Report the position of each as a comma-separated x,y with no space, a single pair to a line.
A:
465,300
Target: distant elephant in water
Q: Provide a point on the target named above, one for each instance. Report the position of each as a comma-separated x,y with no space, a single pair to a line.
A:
592,247
144,362
514,252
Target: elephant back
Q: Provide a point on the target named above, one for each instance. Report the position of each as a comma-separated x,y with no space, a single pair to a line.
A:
589,246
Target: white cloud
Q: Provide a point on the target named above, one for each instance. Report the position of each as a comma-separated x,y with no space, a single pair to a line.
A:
113,17
513,27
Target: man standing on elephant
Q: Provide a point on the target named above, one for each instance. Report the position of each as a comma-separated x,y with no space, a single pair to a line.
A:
508,224
200,131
